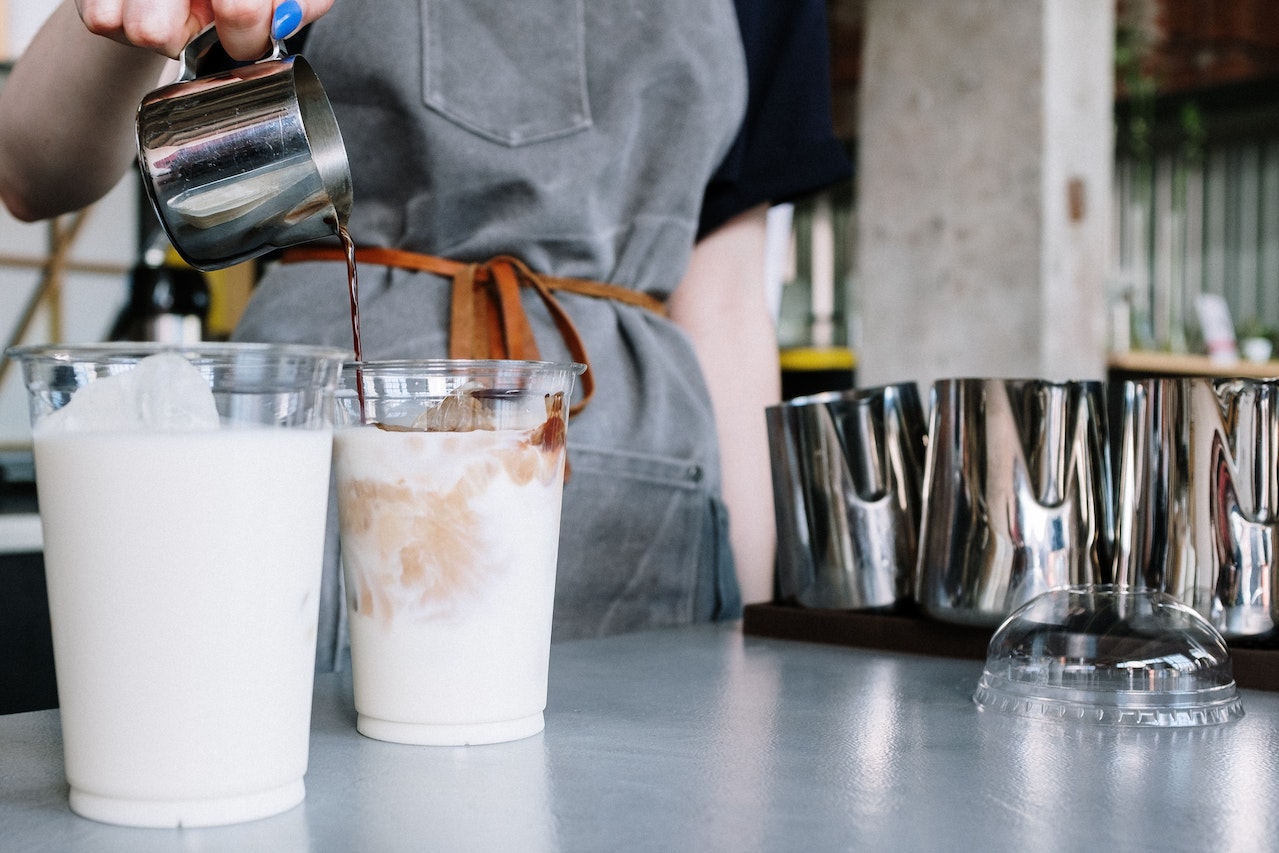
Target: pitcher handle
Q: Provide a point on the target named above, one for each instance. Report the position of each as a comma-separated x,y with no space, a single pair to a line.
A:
204,41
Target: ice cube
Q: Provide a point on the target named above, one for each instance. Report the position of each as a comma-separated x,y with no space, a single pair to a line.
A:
458,412
172,395
164,392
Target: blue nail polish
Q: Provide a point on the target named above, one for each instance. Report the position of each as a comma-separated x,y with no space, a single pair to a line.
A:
288,18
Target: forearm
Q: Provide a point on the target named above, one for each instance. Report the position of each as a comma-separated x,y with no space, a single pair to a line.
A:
721,306
67,117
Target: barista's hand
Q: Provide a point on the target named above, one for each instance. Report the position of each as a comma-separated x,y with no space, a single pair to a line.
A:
244,27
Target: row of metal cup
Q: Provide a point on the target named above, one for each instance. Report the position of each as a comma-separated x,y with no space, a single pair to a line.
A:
1008,488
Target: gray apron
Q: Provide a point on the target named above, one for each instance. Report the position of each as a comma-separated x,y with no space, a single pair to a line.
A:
577,135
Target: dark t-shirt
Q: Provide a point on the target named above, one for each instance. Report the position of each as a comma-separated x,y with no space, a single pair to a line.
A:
787,146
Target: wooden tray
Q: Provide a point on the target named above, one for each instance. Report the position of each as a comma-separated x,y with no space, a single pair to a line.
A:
1255,667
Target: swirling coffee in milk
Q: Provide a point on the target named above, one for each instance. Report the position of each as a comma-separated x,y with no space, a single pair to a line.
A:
450,534
428,510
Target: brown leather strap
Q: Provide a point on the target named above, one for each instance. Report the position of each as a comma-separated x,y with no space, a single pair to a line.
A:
486,318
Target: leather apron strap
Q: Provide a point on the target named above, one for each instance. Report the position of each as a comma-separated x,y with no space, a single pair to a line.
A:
486,317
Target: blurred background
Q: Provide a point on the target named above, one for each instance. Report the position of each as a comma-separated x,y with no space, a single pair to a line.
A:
1042,188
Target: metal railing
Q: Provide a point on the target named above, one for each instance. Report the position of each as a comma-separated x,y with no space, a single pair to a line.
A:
1197,212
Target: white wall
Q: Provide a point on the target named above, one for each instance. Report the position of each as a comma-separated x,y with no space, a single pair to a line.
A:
24,17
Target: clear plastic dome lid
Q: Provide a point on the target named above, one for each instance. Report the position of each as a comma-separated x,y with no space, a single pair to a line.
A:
1109,655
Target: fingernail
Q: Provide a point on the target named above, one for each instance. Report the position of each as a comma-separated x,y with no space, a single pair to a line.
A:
288,18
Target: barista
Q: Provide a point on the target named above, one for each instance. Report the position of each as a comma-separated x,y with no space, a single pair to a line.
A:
634,143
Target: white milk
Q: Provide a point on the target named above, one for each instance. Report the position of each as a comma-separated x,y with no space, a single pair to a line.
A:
184,577
449,543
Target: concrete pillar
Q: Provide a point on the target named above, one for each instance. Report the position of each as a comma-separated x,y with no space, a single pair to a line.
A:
984,165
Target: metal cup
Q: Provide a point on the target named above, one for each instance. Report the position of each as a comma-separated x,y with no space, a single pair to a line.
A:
846,470
1017,496
245,161
1198,496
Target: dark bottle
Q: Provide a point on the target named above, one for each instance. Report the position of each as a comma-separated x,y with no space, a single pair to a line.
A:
168,300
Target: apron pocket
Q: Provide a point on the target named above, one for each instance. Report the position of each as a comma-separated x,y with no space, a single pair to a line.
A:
635,545
514,73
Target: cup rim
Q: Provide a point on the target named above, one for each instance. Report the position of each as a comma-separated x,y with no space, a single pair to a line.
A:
445,366
126,351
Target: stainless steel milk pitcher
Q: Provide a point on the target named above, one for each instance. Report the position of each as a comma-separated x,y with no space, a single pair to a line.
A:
847,469
1017,496
1151,428
1198,496
245,161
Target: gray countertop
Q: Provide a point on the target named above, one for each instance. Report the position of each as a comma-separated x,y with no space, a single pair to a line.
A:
704,739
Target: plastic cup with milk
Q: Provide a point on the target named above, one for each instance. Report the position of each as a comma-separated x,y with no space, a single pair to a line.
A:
450,475
183,496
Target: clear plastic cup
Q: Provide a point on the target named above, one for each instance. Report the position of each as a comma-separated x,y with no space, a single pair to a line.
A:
450,476
183,496
1109,655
